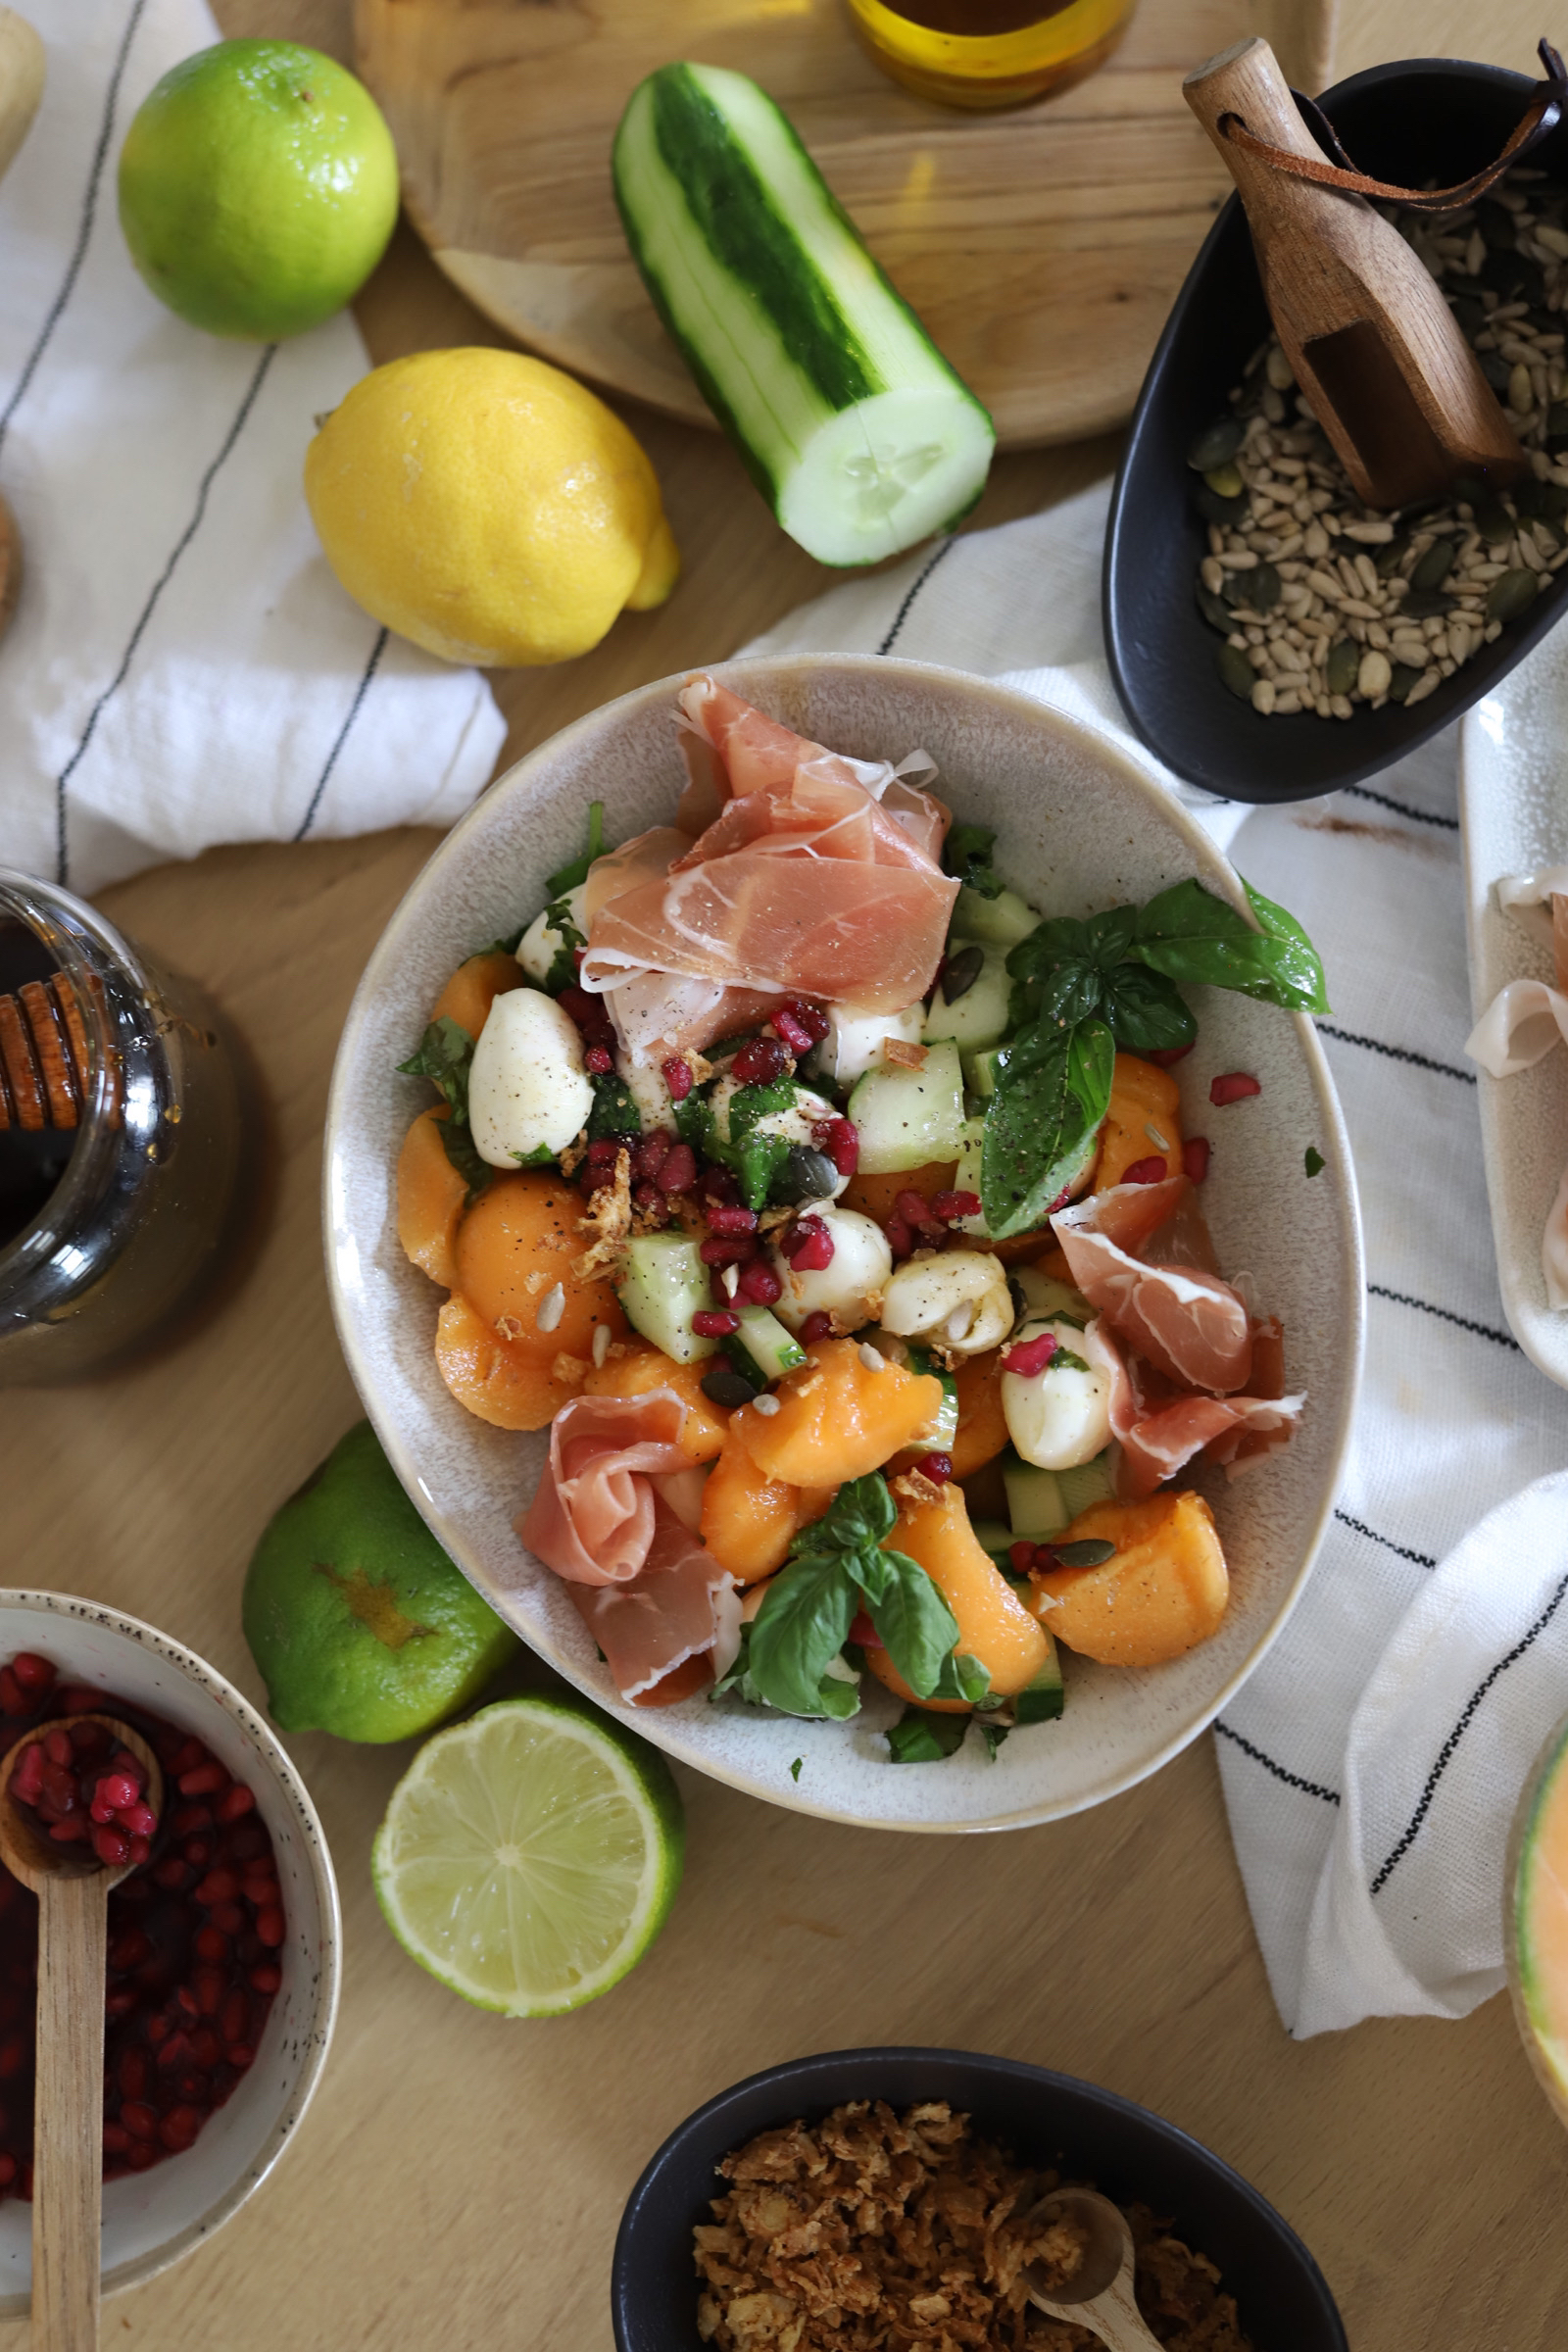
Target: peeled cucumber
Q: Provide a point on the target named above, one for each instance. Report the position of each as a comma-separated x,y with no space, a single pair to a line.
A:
662,1284
906,1118
853,425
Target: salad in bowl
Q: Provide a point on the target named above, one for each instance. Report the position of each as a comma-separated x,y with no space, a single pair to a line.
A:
825,1198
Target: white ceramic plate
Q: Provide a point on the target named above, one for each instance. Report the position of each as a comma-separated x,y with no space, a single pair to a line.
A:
1513,814
1079,828
152,2217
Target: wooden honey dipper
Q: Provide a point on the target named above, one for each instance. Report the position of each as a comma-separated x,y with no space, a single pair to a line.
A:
43,1054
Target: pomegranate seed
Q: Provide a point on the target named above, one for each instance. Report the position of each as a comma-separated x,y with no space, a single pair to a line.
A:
140,1848
185,1758
839,1138
235,2016
240,2055
270,1926
185,2001
718,1184
139,2120
229,1919
141,1821
599,1061
1061,1199
218,1886
604,1152
1165,1057
1146,1171
208,2050
810,1017
132,2073
75,1698
949,1206
205,1781
901,1240
759,1061
235,1803
652,1154
1022,1557
144,2156
172,1875
11,1694
117,1789
794,1033
1234,1087
129,1949
56,1747
112,1847
937,1467
809,1246
116,2139
8,2171
679,1171
159,2030
26,1781
13,2057
211,1945
649,1199
1195,1158
208,1987
251,1840
914,1207
1029,1356
723,1218
266,1977
587,1013
1045,1558
198,1852
74,1832
708,1323
862,1630
188,1819
33,1672
719,1253
817,1325
180,2127
677,1076
759,1283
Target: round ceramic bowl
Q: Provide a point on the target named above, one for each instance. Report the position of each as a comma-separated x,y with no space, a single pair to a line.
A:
150,2219
1282,2301
1079,827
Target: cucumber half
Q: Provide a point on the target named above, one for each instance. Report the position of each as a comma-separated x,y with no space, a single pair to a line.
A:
853,425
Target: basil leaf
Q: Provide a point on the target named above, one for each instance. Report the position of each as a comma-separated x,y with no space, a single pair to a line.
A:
920,1738
1314,1161
917,1626
753,1157
1191,935
861,1514
1108,937
1070,992
568,877
1055,940
802,1625
795,1768
445,1057
1146,1013
993,1734
839,1694
456,1137
1050,1097
562,970
614,1111
966,854
962,1678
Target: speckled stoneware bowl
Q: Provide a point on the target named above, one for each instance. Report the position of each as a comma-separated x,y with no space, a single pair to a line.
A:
1079,827
151,2219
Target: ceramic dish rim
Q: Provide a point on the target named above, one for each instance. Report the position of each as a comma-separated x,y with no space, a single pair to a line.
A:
329,1980
1337,1150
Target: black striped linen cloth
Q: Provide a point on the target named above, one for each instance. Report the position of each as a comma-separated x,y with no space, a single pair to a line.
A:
1372,1763
183,669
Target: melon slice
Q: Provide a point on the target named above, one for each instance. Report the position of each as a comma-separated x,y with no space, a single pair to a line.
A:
1537,1910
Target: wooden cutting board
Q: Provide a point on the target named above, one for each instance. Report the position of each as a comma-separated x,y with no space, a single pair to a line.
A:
1043,248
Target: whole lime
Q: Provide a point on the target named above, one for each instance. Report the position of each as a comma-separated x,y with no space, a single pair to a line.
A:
359,1622
257,188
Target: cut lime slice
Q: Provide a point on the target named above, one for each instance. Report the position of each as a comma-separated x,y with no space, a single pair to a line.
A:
529,1855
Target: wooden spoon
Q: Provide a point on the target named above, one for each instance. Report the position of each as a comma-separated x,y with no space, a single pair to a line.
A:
1382,359
1099,2294
68,2148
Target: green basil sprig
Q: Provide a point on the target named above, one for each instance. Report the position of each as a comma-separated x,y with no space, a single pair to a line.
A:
562,970
569,875
445,1057
966,854
1052,1091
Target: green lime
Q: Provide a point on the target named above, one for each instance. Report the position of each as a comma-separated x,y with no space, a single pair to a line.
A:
359,1622
529,1855
257,188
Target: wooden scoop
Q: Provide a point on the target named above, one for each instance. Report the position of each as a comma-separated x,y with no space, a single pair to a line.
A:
1099,2294
68,2147
1371,341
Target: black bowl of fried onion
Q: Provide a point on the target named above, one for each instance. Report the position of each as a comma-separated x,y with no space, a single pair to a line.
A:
1193,2217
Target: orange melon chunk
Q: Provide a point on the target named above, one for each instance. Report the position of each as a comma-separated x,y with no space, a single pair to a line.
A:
473,988
874,1195
1162,1591
837,1419
430,1199
1141,1096
982,1424
749,1519
1536,1887
507,1386
517,1240
631,1371
994,1626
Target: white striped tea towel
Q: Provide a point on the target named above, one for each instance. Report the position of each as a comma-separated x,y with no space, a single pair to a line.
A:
183,669
1372,1763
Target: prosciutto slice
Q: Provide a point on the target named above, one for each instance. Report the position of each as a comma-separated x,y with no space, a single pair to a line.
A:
592,1518
1160,1428
681,1604
815,875
1166,1305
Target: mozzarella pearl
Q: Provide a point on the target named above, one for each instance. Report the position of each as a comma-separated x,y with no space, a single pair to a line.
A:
644,1081
795,1125
848,1287
536,949
1060,1417
528,1088
854,1041
958,1299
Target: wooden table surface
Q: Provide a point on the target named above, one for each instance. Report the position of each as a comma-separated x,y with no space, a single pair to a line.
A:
459,2180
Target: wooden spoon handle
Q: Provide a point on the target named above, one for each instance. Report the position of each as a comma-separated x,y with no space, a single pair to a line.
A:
68,2155
1246,81
21,72
1117,2317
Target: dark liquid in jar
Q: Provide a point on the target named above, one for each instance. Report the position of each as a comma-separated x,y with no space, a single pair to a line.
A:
194,1937
977,20
30,1165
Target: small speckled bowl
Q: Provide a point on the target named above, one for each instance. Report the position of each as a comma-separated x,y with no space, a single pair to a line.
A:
1079,827
152,2217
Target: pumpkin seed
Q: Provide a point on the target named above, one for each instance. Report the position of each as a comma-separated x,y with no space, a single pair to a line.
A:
1262,587
1557,424
1513,275
1216,444
1470,312
1434,567
1493,521
1497,369
1236,672
1229,512
1496,225
1343,661
1547,501
1426,604
1403,678
961,973
1391,554
1514,593
1213,608
1226,481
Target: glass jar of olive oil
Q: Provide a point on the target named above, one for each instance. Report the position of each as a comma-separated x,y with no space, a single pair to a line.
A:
988,53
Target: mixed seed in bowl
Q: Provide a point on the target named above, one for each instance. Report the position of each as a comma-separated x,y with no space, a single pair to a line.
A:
1325,604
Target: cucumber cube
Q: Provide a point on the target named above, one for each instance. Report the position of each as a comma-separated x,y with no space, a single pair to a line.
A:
663,1284
908,1118
1035,1504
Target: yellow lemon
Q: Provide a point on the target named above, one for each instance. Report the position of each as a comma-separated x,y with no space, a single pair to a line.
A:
487,507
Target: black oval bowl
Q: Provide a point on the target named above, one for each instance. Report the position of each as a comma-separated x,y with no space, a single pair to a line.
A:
1281,2298
1402,123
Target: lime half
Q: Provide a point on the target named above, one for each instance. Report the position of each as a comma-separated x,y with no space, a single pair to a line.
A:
529,1855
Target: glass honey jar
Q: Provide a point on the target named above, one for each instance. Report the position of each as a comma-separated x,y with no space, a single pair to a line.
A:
986,54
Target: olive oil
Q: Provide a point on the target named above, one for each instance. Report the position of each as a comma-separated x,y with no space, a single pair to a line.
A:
988,53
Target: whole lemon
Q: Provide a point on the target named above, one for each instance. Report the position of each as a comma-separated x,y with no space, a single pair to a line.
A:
487,507
257,188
